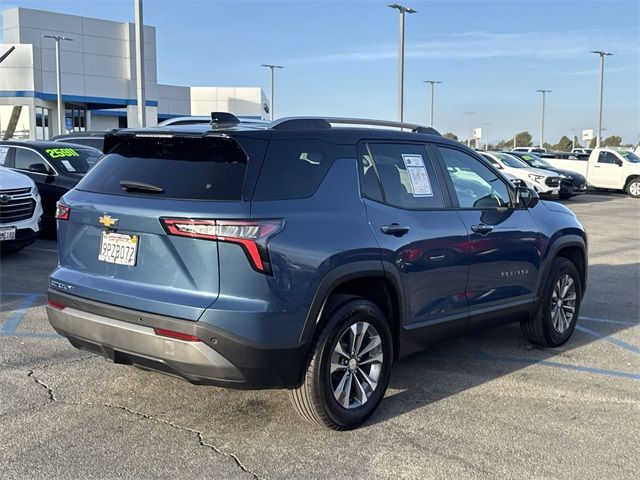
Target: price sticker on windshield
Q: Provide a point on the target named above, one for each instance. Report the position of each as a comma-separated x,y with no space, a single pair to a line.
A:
418,176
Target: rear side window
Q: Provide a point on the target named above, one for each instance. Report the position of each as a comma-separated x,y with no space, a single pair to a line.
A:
295,168
406,173
180,168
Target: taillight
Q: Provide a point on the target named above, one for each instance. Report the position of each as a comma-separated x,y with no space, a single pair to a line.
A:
177,335
56,305
62,211
251,235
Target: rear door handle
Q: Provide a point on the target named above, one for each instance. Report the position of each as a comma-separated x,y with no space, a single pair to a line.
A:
394,229
482,229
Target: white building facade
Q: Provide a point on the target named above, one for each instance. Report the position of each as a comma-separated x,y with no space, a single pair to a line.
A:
98,79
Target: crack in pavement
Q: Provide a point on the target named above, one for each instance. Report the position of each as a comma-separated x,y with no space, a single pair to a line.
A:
199,434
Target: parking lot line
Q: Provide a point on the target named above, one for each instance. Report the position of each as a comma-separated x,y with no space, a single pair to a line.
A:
479,354
14,320
617,322
610,339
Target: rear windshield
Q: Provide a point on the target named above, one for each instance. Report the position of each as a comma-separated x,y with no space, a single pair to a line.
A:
180,168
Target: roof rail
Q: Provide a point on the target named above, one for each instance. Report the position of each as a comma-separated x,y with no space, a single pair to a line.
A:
290,123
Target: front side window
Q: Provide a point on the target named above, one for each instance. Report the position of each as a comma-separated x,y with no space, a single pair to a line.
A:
476,185
25,159
406,174
607,157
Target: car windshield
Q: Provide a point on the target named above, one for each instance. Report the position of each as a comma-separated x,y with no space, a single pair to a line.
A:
72,160
536,161
630,156
511,161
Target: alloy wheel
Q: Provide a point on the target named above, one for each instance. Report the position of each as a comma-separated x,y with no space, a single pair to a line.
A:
634,188
563,303
356,365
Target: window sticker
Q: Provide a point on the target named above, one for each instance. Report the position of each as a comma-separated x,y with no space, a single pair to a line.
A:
61,152
68,166
3,154
418,176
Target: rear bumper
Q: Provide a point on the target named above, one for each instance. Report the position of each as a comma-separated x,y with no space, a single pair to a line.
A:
128,336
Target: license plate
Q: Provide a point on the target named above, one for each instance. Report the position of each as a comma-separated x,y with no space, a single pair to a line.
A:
118,248
7,233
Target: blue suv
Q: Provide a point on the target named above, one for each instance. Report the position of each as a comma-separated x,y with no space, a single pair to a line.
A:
307,254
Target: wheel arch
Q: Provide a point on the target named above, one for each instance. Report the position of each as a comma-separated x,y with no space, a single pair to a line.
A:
367,279
574,249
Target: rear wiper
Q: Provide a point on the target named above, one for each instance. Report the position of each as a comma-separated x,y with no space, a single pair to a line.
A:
133,186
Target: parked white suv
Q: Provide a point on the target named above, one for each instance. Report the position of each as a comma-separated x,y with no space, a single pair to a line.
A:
20,210
529,150
542,181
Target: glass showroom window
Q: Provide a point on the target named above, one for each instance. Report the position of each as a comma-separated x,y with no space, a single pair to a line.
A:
14,121
43,125
75,118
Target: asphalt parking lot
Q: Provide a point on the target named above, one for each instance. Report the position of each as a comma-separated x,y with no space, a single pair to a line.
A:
486,405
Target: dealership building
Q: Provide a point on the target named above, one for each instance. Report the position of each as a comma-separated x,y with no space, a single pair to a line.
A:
98,78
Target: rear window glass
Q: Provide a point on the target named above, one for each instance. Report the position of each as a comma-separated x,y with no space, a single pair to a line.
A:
181,168
295,168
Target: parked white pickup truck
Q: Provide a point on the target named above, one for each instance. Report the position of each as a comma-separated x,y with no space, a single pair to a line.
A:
607,168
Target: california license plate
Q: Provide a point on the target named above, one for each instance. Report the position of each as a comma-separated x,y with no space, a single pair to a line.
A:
7,233
119,248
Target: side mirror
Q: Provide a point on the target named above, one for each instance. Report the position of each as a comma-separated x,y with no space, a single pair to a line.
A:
618,162
39,168
526,197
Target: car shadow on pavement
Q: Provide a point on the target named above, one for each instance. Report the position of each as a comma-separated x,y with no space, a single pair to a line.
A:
479,357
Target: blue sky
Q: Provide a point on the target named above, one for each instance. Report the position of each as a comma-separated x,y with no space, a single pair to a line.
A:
340,57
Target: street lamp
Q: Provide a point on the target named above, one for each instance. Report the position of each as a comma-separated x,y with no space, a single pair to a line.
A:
602,55
57,39
486,136
433,83
271,85
402,9
544,94
468,114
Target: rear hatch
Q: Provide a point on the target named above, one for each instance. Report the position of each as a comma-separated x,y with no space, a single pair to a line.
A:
117,242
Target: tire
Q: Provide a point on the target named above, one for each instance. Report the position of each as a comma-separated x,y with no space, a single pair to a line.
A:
314,399
633,187
542,327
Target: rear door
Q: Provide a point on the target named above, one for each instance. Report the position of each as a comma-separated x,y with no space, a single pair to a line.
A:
423,240
137,229
504,258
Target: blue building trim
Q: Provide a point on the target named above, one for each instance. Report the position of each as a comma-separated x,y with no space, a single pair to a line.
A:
74,98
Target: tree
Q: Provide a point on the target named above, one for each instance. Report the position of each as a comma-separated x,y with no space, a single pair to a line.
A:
504,145
451,136
592,143
564,145
524,139
612,141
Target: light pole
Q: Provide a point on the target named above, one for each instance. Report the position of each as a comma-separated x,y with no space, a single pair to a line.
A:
544,94
57,39
402,9
433,83
468,114
602,54
271,86
486,136
140,73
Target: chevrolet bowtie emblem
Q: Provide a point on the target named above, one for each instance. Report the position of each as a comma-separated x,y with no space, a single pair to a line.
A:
108,221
